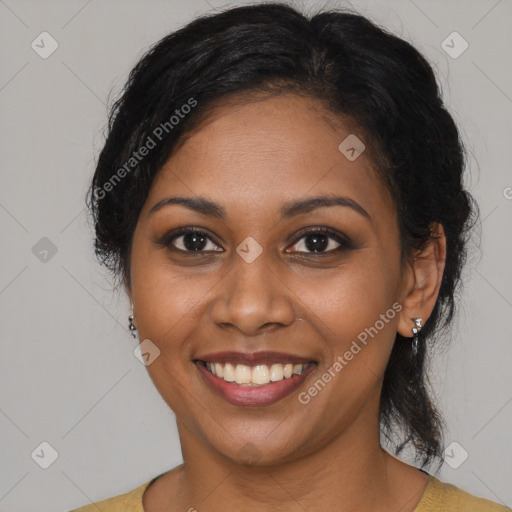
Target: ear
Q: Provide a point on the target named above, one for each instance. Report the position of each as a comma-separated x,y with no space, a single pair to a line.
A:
422,281
127,285
128,292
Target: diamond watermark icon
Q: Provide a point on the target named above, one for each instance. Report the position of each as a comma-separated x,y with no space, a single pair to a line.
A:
44,45
45,455
146,352
455,455
454,45
44,250
249,454
249,249
352,147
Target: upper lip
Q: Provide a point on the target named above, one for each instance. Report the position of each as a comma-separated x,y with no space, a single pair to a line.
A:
253,358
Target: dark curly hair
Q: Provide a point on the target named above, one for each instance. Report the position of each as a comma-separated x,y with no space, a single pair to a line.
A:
362,74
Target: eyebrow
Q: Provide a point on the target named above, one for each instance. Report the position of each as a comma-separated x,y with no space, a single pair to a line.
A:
291,209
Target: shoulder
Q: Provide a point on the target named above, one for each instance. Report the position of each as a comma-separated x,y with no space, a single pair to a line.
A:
447,497
127,502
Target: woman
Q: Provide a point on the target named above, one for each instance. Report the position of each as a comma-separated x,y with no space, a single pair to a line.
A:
282,199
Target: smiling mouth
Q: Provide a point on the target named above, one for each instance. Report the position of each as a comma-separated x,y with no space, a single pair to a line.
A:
257,375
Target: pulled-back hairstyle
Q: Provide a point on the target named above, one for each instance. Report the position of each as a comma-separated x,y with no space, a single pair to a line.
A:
359,72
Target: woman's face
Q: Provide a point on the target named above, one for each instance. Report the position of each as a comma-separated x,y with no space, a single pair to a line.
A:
266,289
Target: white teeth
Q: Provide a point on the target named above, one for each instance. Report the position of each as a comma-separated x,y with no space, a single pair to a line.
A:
229,373
219,370
258,375
276,372
242,374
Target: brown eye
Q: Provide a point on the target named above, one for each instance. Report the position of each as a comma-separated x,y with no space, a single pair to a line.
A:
322,241
188,240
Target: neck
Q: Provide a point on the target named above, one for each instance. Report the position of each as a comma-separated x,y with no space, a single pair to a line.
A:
352,472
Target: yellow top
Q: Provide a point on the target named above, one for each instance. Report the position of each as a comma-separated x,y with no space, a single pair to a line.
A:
437,497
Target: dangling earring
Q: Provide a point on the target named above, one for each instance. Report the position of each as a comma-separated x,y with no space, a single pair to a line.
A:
131,325
416,330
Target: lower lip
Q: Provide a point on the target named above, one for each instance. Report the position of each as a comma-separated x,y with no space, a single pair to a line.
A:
256,396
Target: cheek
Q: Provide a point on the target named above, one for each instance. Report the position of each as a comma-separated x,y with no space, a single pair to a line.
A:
356,309
166,297
166,308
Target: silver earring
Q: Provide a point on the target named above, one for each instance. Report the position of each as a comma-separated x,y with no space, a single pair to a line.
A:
131,325
416,329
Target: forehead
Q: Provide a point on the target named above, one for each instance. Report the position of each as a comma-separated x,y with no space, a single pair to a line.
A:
266,152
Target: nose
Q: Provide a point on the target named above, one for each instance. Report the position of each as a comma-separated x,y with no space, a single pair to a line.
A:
253,298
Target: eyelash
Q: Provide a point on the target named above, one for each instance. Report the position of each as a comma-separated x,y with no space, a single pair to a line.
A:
343,240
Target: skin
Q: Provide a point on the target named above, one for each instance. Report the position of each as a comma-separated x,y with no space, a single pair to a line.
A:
324,455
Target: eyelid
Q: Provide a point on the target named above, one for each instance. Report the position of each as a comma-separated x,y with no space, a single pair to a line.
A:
166,240
340,238
345,243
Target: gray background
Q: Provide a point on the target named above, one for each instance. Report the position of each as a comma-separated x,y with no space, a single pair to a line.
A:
68,373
